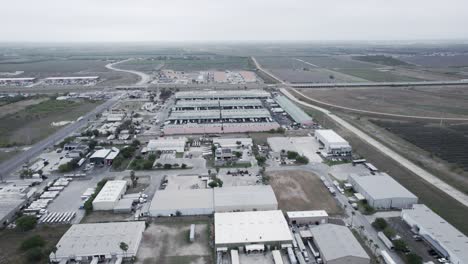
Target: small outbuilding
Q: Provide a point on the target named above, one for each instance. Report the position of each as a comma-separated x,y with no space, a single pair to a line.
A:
109,195
314,217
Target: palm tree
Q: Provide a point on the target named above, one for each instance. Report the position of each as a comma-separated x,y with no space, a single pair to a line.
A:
124,247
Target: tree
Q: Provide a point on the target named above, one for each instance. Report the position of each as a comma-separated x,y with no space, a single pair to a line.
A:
133,178
32,242
34,255
178,213
26,173
158,165
413,258
389,232
26,222
135,143
184,166
400,245
302,160
238,154
92,144
95,132
124,247
167,166
380,224
292,154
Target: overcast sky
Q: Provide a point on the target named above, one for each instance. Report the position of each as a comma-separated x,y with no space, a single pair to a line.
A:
231,20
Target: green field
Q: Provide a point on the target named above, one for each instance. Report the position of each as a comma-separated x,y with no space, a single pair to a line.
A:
33,123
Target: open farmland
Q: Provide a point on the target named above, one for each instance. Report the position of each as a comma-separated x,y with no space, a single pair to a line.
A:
298,190
438,61
189,63
446,142
34,122
421,101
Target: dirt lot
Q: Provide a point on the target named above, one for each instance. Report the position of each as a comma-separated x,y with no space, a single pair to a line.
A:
301,190
421,101
10,241
18,106
34,122
168,243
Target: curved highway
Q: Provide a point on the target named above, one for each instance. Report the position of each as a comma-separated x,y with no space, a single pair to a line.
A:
144,78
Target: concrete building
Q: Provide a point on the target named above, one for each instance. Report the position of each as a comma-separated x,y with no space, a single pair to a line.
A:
202,105
90,243
176,144
296,113
382,191
251,231
109,195
222,94
337,245
12,198
187,202
245,198
233,143
333,144
17,81
314,217
436,231
104,156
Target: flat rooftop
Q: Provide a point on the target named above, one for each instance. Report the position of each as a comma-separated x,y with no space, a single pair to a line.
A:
100,239
331,136
382,186
182,199
251,196
251,227
297,114
217,114
336,242
447,235
301,214
111,191
72,78
222,94
216,103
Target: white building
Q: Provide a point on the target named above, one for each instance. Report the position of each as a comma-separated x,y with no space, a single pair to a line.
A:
187,202
251,230
245,198
233,142
337,245
98,242
435,230
382,191
333,143
314,217
176,144
109,195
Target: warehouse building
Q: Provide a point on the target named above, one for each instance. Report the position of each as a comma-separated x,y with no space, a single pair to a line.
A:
382,191
82,80
187,105
296,113
12,198
176,144
185,202
93,243
233,142
245,198
109,195
251,231
338,245
436,231
314,217
104,156
17,81
333,144
222,95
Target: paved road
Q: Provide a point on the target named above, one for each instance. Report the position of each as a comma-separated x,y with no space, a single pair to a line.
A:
144,78
454,193
260,68
9,166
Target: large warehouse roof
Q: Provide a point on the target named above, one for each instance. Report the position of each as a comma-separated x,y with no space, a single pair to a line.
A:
238,196
445,234
84,240
167,143
216,103
336,242
111,191
222,94
251,227
171,200
313,213
293,110
381,186
216,114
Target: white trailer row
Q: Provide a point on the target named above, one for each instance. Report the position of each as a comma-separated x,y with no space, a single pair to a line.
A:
385,240
57,218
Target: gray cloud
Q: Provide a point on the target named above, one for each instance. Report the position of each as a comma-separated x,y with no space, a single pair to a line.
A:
207,20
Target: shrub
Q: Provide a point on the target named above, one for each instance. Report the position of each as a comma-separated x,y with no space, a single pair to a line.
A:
167,166
34,255
400,245
302,160
380,224
413,258
292,154
32,242
26,222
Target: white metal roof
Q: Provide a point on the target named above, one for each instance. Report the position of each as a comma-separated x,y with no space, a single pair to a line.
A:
111,191
72,78
182,199
167,143
301,214
244,196
331,136
381,186
83,240
251,227
336,242
16,79
293,110
222,94
232,142
446,235
100,154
